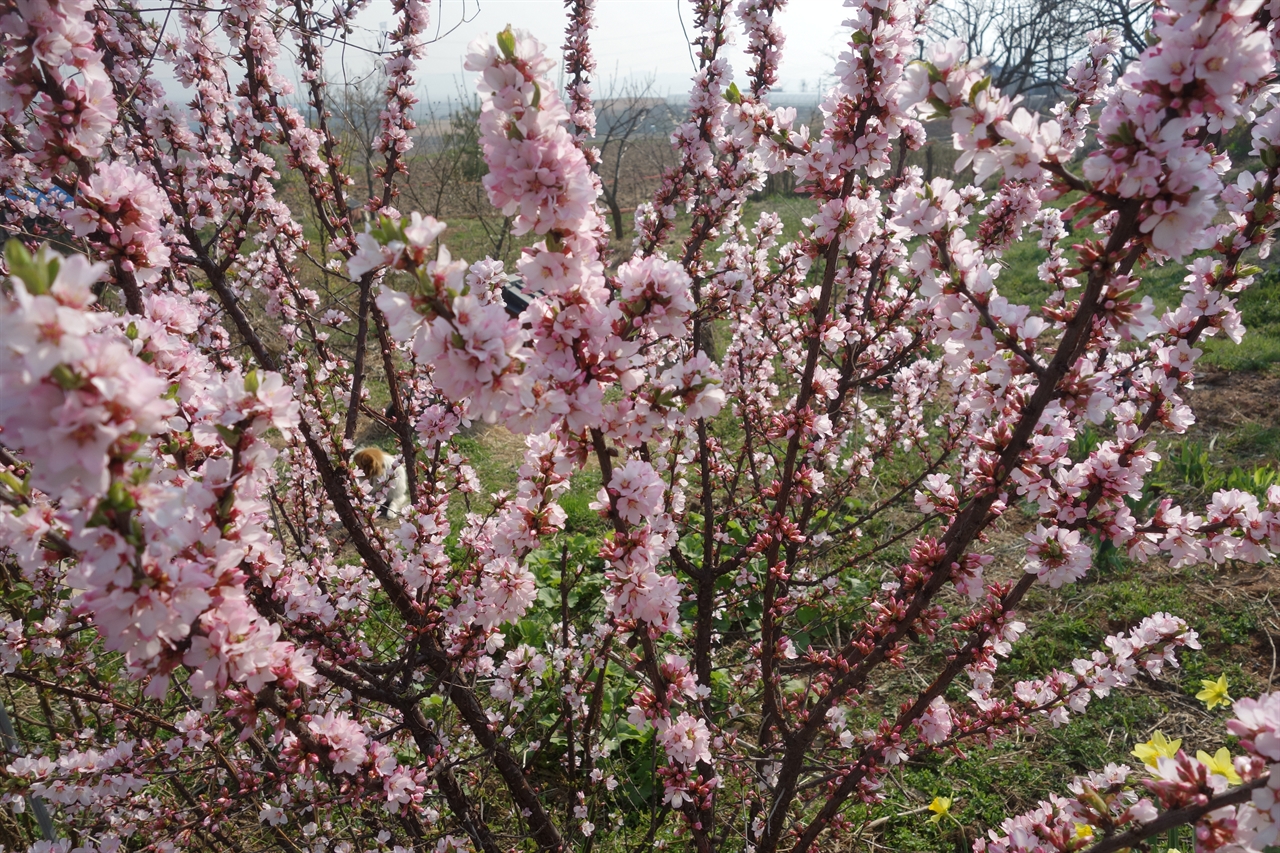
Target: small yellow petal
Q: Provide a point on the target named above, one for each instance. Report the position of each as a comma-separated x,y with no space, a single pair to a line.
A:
1158,747
1167,748
941,807
1084,830
1215,692
1220,763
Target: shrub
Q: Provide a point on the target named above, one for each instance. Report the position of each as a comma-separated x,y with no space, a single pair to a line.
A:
803,443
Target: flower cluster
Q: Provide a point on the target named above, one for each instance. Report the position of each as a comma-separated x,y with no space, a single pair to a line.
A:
53,69
120,208
641,591
216,634
161,589
536,173
1111,801
73,394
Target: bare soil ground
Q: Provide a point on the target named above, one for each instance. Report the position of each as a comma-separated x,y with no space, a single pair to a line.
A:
1224,401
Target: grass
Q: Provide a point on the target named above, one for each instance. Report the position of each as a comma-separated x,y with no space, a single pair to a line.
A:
990,783
1236,621
1256,442
1237,624
1260,307
496,455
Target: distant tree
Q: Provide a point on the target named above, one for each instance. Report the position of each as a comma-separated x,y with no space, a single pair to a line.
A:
1031,44
357,108
629,112
447,169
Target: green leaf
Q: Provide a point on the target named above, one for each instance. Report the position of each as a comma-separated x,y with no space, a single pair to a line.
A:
67,379
979,87
118,496
507,43
733,95
225,503
251,381
32,271
18,486
230,435
531,632
940,108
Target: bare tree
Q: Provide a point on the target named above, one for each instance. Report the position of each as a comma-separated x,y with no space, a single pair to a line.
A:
358,109
1128,19
447,169
628,117
1030,44
447,156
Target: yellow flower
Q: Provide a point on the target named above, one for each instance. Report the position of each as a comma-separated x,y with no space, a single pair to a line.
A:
1220,763
1158,747
1214,692
941,807
1083,830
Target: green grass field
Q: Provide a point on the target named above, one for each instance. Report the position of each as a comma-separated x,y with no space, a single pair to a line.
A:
1230,607
1236,445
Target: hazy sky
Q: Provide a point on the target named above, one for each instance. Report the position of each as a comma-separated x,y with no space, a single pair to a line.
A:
632,38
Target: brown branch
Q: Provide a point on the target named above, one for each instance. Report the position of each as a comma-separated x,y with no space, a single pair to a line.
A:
957,539
457,798
1177,817
542,828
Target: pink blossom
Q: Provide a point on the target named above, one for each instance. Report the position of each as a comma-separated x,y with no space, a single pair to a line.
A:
935,724
685,739
344,738
636,491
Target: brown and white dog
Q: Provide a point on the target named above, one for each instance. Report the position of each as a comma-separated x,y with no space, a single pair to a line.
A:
378,465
